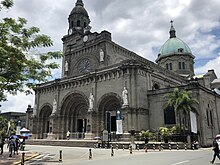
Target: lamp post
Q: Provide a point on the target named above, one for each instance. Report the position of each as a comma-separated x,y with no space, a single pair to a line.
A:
18,128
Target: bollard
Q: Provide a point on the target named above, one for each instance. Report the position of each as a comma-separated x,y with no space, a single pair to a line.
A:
177,146
169,146
161,146
90,154
193,146
60,159
145,147
105,145
116,146
94,146
153,146
22,158
112,149
185,146
130,149
123,147
138,147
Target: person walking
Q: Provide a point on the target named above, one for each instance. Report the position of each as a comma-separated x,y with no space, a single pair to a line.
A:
2,142
68,135
215,150
17,145
11,146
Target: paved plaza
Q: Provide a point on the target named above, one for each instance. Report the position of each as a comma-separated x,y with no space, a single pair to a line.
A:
50,155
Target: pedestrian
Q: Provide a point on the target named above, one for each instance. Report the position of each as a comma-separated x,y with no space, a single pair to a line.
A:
2,142
215,148
17,145
11,146
68,135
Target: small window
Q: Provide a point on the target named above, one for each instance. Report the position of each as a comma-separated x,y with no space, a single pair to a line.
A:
183,65
78,23
211,119
207,116
180,50
71,23
180,66
84,24
167,66
171,67
156,86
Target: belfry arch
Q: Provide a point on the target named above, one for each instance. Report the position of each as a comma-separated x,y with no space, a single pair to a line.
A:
44,117
74,115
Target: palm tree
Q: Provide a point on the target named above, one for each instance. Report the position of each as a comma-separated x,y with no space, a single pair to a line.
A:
183,104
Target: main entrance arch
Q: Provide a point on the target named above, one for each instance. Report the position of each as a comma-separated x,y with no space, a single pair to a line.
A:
74,115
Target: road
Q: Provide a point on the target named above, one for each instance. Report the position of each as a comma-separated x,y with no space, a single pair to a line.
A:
80,156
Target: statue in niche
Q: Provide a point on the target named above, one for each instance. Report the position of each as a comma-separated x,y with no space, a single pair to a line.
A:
91,102
101,54
125,97
54,106
66,67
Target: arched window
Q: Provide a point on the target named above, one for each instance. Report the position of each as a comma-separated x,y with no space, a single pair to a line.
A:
71,23
171,66
156,86
84,24
183,65
169,115
167,66
78,23
180,66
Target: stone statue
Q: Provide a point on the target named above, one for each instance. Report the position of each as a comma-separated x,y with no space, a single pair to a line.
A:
91,102
101,54
125,97
66,68
54,106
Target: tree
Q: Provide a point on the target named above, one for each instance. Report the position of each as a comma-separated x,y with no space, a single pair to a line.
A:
18,67
7,127
183,104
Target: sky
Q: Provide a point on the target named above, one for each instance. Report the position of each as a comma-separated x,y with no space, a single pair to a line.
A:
141,26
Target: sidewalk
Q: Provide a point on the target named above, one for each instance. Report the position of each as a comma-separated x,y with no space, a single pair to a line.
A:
15,159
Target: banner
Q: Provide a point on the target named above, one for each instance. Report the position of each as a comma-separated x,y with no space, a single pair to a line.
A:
119,127
193,122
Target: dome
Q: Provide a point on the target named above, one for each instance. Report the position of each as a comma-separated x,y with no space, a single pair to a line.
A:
174,45
79,9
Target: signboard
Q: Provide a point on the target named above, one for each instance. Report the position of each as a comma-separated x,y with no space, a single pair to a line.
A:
105,135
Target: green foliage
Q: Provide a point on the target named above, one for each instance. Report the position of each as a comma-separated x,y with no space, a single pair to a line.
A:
6,4
19,68
164,132
7,127
175,129
181,101
146,134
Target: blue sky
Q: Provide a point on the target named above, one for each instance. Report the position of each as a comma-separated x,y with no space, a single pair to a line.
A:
141,26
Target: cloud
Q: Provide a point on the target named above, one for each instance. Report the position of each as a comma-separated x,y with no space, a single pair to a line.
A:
212,64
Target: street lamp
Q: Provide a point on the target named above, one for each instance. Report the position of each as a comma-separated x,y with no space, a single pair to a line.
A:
18,128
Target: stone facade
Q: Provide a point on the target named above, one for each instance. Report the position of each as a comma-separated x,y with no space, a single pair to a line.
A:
95,71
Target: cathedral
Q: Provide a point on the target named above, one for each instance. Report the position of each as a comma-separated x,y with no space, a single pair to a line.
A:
107,87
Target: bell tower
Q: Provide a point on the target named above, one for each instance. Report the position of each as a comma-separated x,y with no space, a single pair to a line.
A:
78,19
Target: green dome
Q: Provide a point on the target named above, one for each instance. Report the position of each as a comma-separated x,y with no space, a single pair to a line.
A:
174,46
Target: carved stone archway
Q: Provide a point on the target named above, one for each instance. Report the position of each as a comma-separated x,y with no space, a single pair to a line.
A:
73,114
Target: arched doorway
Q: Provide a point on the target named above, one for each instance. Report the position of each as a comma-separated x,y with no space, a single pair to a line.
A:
74,115
109,104
45,121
